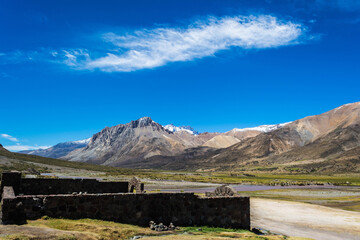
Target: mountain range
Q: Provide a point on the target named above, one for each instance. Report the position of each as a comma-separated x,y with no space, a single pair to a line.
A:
58,150
324,142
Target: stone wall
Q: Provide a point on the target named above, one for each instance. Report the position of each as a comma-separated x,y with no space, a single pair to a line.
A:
183,209
12,179
12,210
24,199
47,186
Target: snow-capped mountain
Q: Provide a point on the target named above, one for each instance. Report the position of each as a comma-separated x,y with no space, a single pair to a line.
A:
173,128
244,133
60,149
327,143
262,128
139,139
84,141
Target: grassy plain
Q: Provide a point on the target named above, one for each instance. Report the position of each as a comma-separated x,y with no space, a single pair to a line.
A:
265,176
65,229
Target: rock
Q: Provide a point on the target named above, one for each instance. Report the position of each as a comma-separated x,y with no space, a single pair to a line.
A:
152,225
224,190
33,171
161,227
171,226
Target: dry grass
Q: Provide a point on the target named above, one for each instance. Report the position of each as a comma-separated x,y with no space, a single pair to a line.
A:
94,229
220,236
90,229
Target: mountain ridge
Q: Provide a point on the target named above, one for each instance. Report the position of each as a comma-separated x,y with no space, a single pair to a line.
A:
144,143
59,150
313,143
141,138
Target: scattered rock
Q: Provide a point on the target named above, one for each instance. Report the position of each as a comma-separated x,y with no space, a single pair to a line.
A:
32,171
161,227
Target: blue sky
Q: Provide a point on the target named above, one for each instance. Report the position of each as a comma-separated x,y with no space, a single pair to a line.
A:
70,68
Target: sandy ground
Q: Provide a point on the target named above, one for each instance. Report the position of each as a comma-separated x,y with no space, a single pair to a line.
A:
304,220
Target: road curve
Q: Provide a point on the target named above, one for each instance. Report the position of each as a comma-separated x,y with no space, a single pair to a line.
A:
304,220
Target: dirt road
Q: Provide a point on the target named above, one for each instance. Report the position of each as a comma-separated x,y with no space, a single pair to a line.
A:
304,220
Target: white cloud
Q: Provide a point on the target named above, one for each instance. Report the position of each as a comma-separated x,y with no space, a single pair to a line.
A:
8,137
54,53
19,147
150,48
74,56
157,47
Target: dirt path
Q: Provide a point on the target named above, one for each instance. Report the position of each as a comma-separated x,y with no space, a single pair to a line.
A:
304,220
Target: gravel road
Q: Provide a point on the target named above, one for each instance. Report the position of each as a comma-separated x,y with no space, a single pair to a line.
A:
304,220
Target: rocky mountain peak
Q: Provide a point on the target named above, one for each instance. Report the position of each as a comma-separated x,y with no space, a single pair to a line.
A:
142,122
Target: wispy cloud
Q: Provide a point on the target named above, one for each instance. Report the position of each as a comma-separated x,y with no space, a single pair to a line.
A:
157,47
75,56
19,147
151,48
8,137
19,56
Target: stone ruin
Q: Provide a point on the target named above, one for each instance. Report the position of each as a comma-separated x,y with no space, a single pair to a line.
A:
222,191
136,186
33,198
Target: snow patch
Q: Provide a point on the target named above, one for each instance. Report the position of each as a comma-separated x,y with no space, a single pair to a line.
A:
173,128
82,141
262,128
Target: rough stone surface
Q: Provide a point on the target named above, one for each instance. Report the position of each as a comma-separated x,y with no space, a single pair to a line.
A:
222,191
136,185
34,186
47,186
182,209
88,198
12,210
13,179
